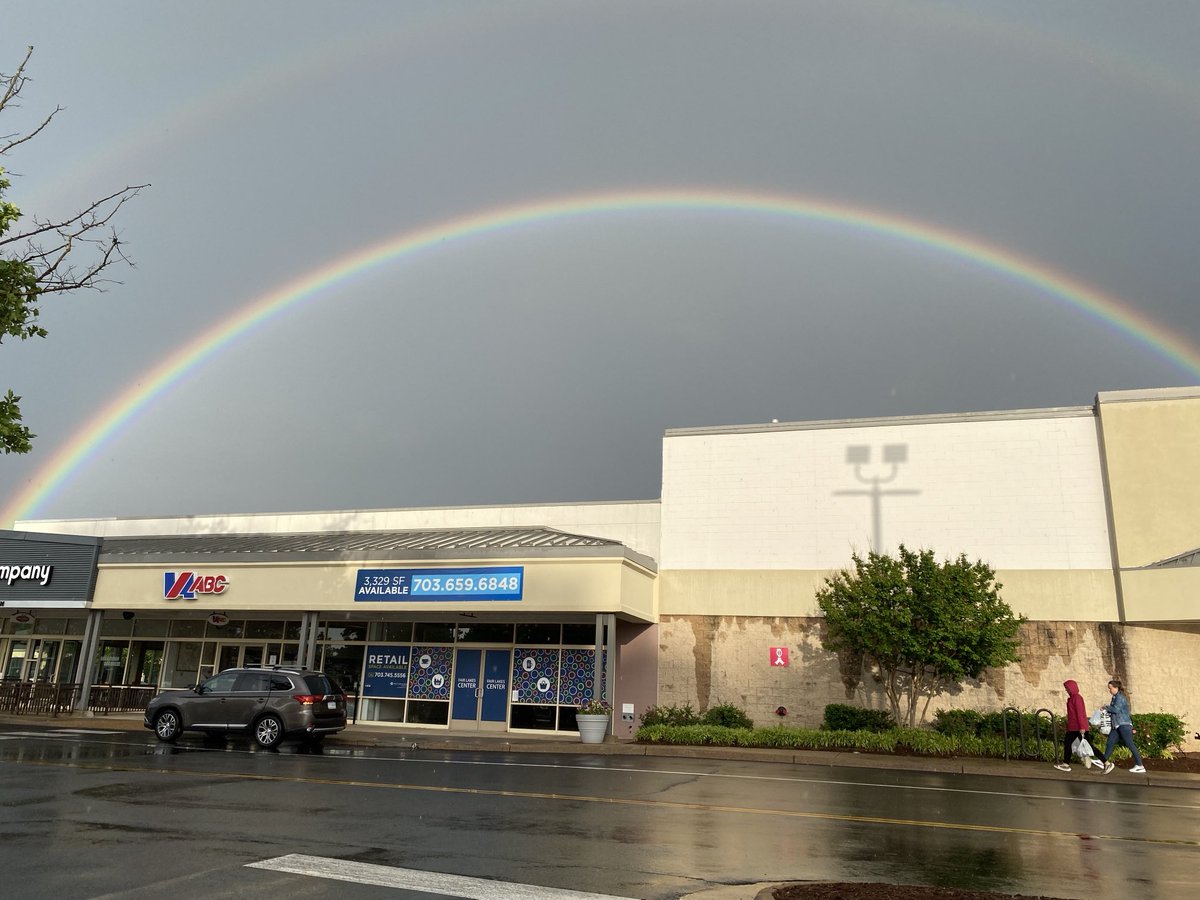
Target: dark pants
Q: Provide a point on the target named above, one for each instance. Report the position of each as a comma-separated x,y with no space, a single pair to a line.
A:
1068,740
1123,733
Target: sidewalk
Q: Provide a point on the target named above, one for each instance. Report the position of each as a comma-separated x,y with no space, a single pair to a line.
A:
384,736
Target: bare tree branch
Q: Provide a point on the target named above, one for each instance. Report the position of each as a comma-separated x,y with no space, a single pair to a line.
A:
48,256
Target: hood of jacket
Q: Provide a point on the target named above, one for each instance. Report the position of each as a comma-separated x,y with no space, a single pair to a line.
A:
1072,688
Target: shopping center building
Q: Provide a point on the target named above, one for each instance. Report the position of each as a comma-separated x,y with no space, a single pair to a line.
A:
505,618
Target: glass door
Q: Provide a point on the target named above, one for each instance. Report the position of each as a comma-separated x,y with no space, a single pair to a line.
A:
479,701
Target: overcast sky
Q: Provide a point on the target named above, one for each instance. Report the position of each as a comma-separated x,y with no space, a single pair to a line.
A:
543,362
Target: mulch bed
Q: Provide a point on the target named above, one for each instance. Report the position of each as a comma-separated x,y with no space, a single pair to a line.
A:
849,890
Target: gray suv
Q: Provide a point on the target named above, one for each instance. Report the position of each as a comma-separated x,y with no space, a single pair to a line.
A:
270,703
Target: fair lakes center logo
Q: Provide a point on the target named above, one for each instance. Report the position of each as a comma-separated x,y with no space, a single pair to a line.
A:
40,574
186,585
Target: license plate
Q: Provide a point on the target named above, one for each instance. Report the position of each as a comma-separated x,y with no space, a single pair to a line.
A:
333,704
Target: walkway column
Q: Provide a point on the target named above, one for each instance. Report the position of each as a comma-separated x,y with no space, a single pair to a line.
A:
309,651
598,662
87,655
610,660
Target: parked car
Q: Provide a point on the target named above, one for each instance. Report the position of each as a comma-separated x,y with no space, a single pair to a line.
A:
270,703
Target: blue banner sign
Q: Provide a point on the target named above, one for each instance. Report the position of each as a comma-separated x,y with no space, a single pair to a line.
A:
386,671
480,583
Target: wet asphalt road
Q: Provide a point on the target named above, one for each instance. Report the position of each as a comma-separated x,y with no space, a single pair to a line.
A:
94,814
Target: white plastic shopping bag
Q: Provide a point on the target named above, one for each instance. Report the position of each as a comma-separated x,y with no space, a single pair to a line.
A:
1102,720
1082,750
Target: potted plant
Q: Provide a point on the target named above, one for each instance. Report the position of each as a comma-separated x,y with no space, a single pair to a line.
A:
593,717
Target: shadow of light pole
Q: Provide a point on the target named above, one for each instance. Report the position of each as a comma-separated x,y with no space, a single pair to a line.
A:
859,456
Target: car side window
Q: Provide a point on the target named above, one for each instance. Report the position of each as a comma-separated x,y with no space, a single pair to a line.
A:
278,683
253,682
220,684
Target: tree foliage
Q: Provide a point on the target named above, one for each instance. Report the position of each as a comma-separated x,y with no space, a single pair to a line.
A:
46,256
921,623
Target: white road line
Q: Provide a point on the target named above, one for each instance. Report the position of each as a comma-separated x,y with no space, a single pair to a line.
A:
416,880
57,733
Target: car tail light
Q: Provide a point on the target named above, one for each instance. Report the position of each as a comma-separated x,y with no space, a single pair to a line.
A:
308,699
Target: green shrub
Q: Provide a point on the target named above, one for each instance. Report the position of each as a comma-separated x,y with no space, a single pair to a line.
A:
670,715
842,717
957,722
1158,735
729,716
994,723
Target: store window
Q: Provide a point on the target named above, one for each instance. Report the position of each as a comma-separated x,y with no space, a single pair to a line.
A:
188,628
433,633
343,631
271,630
530,634
122,627
181,664
111,657
344,662
485,633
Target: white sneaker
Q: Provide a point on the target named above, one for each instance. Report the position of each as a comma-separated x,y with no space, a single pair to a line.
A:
1062,767
1108,767
1092,761
1138,770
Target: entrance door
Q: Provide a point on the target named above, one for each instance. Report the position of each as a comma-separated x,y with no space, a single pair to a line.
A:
480,698
231,656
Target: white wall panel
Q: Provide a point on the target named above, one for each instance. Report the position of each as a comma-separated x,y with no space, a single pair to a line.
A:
1021,493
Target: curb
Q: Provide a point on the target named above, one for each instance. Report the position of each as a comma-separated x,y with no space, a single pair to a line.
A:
371,736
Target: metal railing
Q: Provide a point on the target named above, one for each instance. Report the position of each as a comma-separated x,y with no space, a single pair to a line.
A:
1038,718
37,698
110,698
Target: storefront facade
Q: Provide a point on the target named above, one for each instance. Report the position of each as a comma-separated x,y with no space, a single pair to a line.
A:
46,585
1089,515
464,629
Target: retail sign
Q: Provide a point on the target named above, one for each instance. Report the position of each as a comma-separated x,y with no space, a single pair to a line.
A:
186,585
385,673
421,585
218,619
39,575
22,618
779,656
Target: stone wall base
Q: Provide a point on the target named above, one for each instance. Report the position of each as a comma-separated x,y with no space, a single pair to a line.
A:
708,660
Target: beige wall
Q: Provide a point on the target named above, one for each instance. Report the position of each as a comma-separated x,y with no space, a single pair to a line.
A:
707,660
1085,595
561,586
1162,595
1151,442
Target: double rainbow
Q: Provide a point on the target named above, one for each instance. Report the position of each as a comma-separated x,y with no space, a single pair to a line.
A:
156,382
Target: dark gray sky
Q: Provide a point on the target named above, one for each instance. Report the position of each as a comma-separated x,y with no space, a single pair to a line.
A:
543,363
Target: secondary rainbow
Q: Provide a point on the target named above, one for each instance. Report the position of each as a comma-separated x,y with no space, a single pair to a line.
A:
320,282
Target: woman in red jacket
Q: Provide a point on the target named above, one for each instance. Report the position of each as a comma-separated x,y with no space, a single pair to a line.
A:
1077,725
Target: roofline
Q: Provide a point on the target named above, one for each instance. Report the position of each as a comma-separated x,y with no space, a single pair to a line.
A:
341,512
50,537
252,557
1057,412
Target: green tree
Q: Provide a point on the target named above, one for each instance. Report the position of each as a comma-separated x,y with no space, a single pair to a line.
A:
49,256
921,623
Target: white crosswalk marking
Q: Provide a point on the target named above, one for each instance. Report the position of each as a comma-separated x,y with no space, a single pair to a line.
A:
416,880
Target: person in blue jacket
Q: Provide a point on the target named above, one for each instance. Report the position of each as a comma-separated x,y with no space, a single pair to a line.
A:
1122,729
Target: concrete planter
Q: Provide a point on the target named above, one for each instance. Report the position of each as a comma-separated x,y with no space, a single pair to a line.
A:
592,728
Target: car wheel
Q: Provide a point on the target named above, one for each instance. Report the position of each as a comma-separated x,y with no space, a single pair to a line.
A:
167,725
268,731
